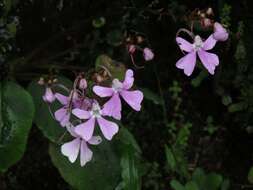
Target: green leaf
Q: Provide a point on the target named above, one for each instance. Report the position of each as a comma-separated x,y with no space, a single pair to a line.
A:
103,172
16,115
250,175
170,158
226,100
43,119
225,185
116,69
149,95
213,181
199,176
191,185
237,107
176,185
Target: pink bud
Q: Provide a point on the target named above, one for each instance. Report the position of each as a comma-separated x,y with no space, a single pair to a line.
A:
220,33
83,84
131,48
48,96
148,54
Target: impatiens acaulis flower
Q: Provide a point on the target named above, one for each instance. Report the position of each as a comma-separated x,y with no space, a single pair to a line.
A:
188,62
95,115
71,149
49,95
148,54
220,33
113,106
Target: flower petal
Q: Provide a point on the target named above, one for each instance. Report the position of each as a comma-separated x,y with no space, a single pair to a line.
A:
85,130
62,116
209,60
108,128
103,91
129,79
187,63
81,114
62,99
184,45
71,149
95,140
133,98
85,153
220,33
209,43
112,107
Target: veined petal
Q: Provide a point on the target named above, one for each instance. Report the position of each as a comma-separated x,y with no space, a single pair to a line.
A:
209,43
129,79
108,128
71,149
184,45
103,91
85,153
209,60
95,140
113,107
85,130
62,116
187,63
133,98
81,114
62,99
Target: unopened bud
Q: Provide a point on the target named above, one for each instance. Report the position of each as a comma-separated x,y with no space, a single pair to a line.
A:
49,95
148,54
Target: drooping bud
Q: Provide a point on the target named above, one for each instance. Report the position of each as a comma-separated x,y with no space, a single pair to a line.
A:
220,33
148,54
49,95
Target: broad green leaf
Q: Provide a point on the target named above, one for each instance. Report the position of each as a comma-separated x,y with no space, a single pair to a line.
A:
170,158
43,119
213,181
149,95
199,176
191,185
250,175
103,172
176,185
16,115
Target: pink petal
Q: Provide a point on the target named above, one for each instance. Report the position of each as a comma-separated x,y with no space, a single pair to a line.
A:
209,43
129,79
62,99
71,129
133,98
209,60
184,45
220,33
113,107
95,140
71,149
108,128
103,91
85,154
187,63
81,114
62,116
85,130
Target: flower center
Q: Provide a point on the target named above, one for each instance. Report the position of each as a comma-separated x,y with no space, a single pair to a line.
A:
198,43
96,111
117,85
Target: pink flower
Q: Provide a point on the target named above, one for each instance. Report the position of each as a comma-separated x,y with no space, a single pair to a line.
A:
71,149
86,129
188,62
48,96
148,54
83,84
62,115
113,106
220,33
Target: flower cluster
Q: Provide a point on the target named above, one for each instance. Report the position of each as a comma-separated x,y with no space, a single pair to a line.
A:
200,48
80,114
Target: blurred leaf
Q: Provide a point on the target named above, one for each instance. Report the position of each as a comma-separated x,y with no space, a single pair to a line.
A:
237,107
103,172
149,95
197,81
170,158
191,185
16,115
43,119
250,175
99,22
199,176
114,37
226,100
225,185
116,69
213,181
12,28
176,185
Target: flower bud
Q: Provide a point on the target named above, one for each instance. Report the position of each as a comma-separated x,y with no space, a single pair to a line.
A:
48,96
148,54
131,49
220,33
82,84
